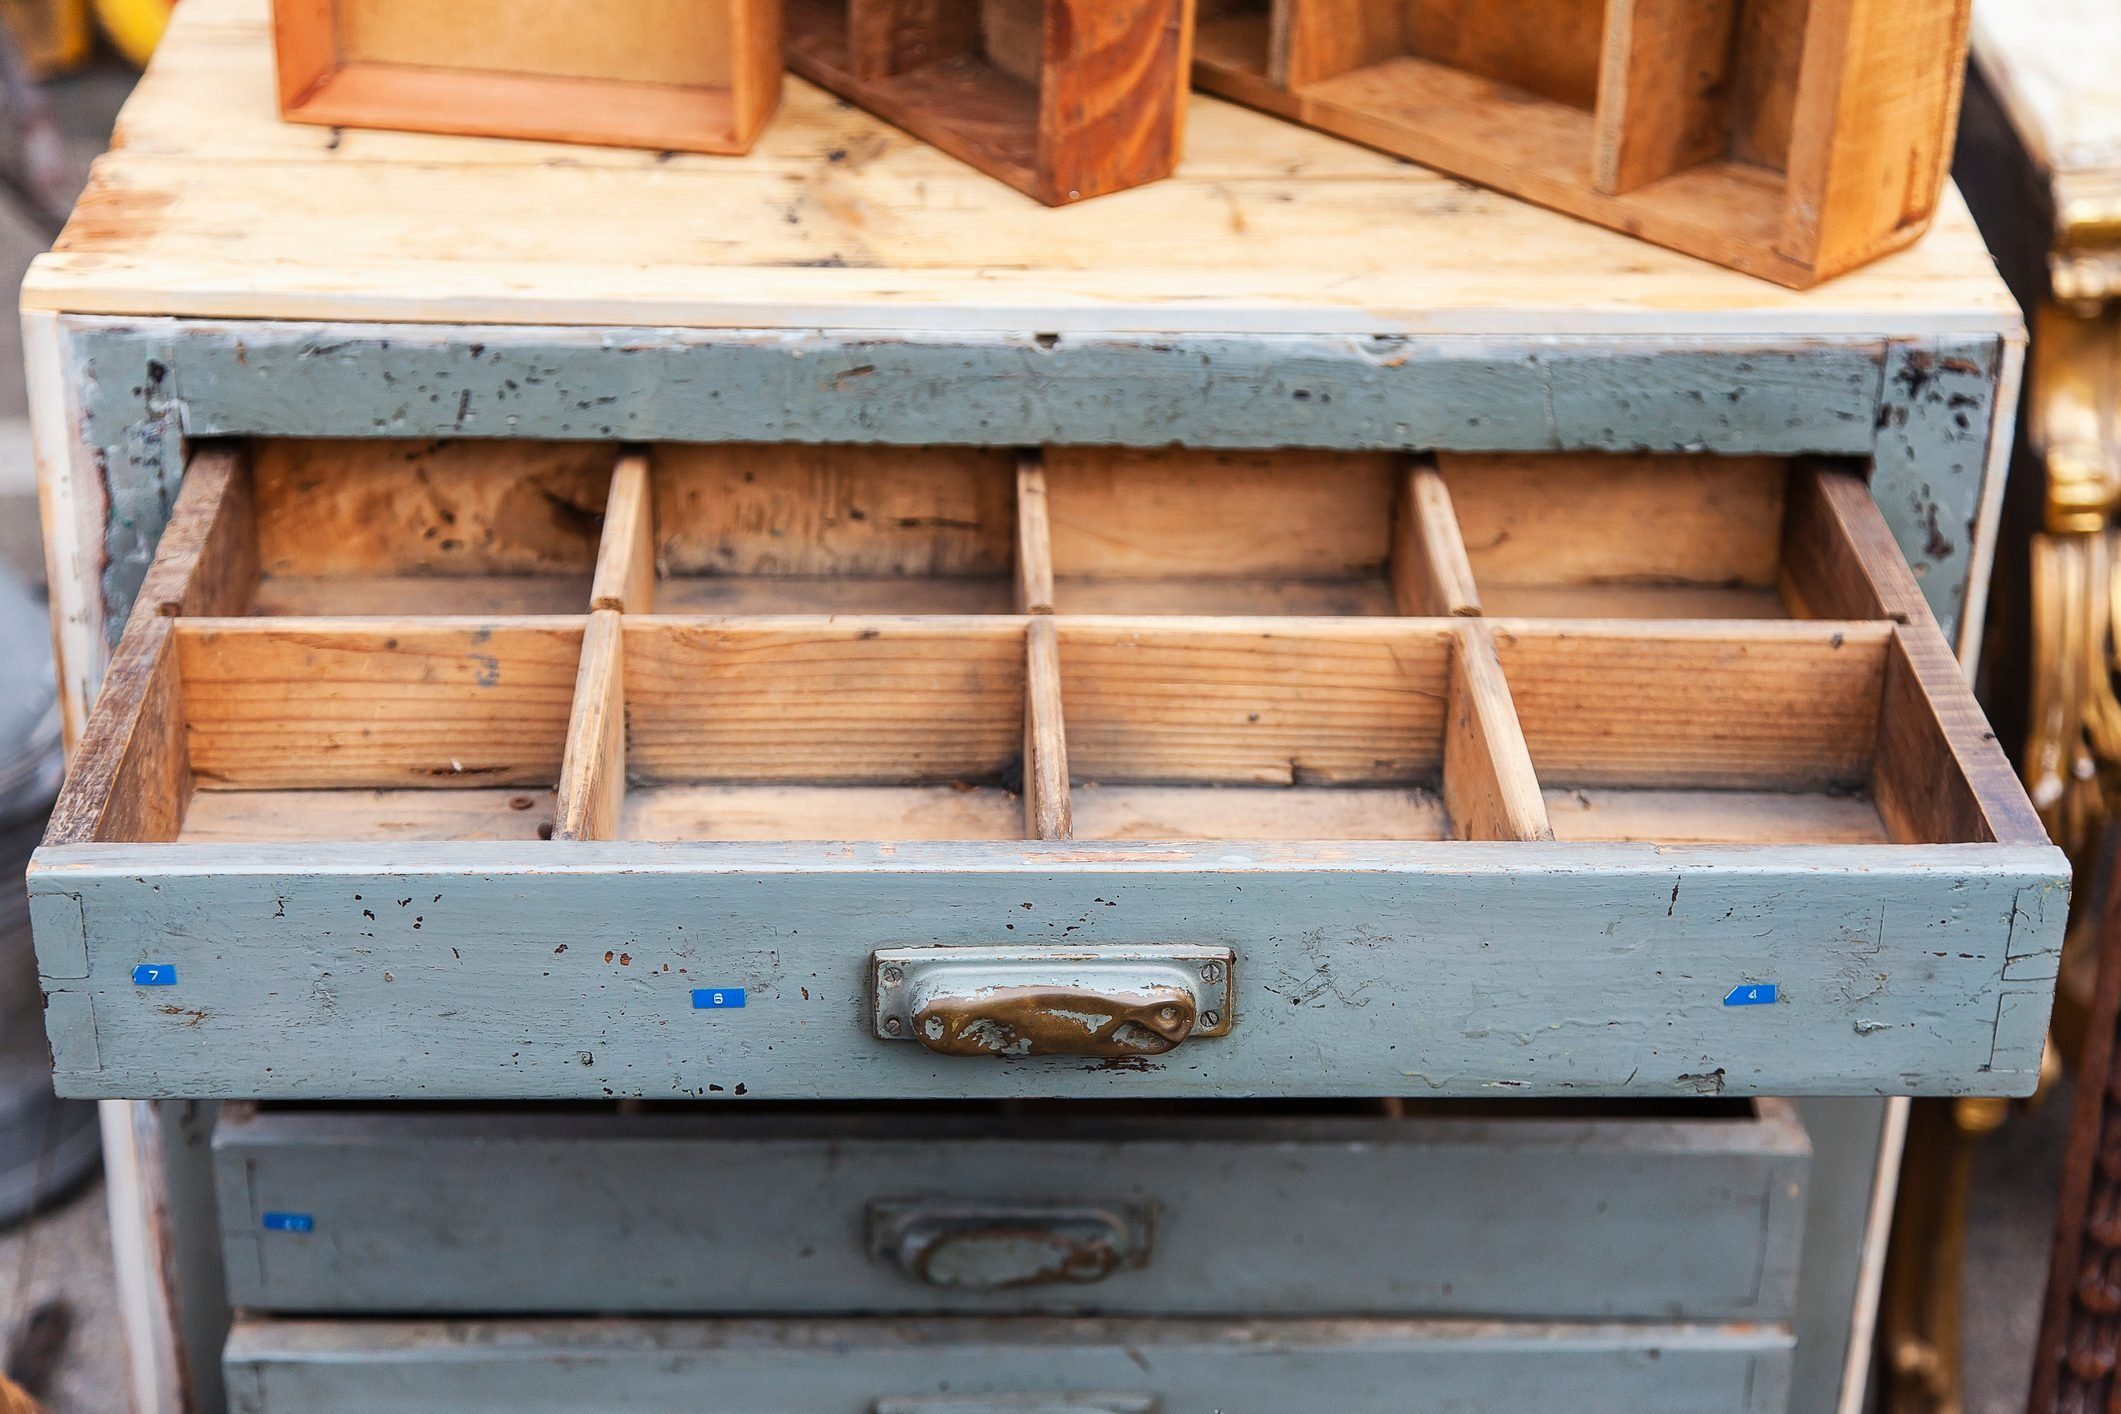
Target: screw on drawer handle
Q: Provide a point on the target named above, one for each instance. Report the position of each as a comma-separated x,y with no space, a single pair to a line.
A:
1027,1403
1097,1001
991,1246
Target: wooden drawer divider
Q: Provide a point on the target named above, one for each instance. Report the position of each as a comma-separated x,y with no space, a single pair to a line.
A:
628,722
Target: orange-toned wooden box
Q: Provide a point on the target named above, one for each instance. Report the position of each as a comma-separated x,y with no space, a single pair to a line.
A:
675,74
1061,99
1791,139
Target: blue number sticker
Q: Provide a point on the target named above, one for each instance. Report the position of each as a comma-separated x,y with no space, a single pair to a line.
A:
155,974
290,1222
717,998
1751,994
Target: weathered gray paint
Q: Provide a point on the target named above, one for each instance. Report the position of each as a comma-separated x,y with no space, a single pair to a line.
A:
1938,410
564,970
742,1210
148,383
1815,395
845,1367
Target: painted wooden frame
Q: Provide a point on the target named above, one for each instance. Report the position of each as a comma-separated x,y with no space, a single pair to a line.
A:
1062,99
1652,1213
936,1366
1317,788
1925,396
1791,139
666,74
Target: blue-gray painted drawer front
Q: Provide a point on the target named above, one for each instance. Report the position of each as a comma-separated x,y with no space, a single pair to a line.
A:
1031,1366
1689,1212
1464,969
558,771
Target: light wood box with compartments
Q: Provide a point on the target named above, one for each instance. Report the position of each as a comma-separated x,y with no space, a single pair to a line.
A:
1062,99
1790,139
764,769
676,75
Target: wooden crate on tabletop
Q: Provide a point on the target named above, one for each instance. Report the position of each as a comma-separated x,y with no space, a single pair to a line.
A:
1791,139
670,74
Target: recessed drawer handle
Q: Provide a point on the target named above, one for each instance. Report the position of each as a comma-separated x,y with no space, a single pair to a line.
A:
994,1246
1110,1002
1021,1404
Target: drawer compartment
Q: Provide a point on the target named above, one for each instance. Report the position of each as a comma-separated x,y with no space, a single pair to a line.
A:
1685,1211
974,1366
1737,826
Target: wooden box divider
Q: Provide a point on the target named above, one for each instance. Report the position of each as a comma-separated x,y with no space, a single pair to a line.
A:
1062,99
1832,713
1791,139
666,74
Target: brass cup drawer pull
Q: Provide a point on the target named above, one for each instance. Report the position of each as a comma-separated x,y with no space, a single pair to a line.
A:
1106,1001
980,1246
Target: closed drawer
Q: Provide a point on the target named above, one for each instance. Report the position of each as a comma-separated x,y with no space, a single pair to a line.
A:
1677,1212
889,773
1029,1366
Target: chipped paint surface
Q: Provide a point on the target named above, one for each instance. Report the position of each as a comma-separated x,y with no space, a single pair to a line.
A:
150,384
739,1209
1442,969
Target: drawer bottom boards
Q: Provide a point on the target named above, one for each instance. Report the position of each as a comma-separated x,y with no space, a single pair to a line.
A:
1023,1366
1666,1213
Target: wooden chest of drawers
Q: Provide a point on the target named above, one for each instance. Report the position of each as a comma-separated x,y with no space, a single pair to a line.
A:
307,297
898,772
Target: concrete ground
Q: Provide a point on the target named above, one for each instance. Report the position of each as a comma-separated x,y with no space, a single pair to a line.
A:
65,1255
2016,1176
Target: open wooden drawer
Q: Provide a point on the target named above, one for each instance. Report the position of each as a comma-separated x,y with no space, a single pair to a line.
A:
872,772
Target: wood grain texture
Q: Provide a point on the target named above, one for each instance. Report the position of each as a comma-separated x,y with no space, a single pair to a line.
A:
1276,701
667,74
1121,513
293,704
1714,817
1546,47
795,812
670,42
1663,89
1112,95
1637,944
212,206
1489,786
129,778
1839,559
1034,537
852,511
1614,520
347,508
880,701
1431,574
1746,706
1691,137
1272,812
1046,805
592,789
1871,132
625,568
889,37
1064,100
1940,774
207,560
1766,62
337,816
1317,41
